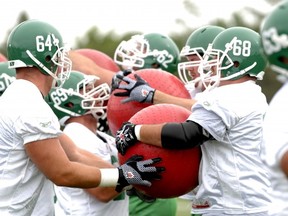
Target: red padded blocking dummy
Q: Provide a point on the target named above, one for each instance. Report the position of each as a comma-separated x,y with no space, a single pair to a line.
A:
182,166
100,58
3,58
117,112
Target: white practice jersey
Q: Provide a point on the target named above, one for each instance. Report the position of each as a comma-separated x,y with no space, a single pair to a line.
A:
45,203
24,117
276,144
194,94
232,178
74,201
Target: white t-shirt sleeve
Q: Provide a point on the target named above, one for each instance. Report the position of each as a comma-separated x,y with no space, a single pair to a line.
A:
213,117
37,123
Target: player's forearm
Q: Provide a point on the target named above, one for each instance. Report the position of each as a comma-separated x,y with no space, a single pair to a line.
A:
76,175
284,163
88,158
77,154
103,194
161,97
151,134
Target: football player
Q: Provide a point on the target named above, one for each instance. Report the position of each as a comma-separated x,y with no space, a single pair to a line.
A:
34,151
193,51
226,122
78,112
157,51
274,34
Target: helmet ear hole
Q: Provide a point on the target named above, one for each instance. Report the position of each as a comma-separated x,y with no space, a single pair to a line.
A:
69,105
48,58
236,64
283,59
155,65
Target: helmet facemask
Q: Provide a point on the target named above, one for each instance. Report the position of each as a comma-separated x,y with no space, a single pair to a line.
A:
197,80
94,97
184,68
130,54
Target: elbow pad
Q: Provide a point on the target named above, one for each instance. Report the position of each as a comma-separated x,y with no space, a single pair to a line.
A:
183,135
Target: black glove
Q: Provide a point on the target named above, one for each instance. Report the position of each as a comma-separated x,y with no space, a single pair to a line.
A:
125,137
136,90
116,80
145,198
138,172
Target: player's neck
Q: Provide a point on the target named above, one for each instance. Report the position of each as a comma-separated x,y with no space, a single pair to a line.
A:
32,74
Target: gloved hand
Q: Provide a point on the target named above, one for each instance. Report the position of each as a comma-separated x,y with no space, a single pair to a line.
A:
125,137
116,80
137,171
136,90
145,198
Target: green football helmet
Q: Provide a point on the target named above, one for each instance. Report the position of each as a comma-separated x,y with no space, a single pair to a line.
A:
196,45
79,96
151,50
37,43
274,34
234,53
7,76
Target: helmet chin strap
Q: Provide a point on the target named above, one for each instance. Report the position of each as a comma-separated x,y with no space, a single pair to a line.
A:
214,82
242,72
40,64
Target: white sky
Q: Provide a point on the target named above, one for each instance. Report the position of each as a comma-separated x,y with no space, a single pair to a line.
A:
74,18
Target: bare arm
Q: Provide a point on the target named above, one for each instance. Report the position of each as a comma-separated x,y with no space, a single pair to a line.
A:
134,88
104,194
161,97
85,65
77,154
284,164
50,158
151,134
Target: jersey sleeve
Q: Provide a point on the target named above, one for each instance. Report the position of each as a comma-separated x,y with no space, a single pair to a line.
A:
38,124
213,117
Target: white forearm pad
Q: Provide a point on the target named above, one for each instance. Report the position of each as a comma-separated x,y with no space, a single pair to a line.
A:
109,177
